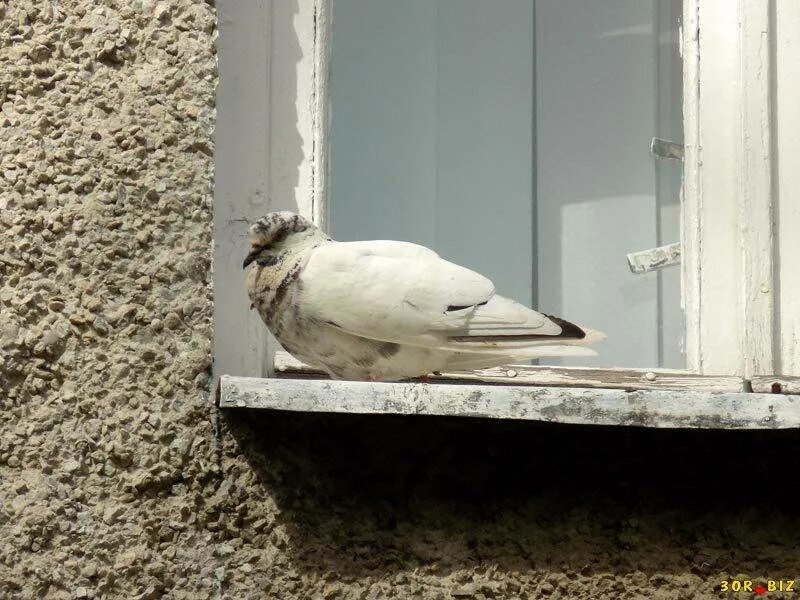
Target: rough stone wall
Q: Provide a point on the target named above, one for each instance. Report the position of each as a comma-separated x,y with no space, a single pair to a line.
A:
115,481
107,447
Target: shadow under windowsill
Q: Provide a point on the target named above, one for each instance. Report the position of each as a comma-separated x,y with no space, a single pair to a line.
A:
369,495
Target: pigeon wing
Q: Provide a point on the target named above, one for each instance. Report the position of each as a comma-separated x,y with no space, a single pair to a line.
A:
405,293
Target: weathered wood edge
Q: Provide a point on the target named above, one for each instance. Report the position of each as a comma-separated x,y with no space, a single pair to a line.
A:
776,384
691,190
644,408
757,193
626,379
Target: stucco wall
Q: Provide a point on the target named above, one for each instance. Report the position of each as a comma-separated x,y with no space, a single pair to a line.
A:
117,481
107,447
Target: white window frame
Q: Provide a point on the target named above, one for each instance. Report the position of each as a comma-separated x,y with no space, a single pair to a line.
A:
740,207
270,151
741,305
727,236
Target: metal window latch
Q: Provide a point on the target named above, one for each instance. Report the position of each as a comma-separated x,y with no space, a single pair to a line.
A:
663,256
655,258
666,149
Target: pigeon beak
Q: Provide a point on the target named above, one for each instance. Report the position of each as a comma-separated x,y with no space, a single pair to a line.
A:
251,257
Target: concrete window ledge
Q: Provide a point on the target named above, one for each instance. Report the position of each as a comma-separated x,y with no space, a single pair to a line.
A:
644,408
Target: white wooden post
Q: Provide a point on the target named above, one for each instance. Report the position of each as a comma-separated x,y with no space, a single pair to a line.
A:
786,139
728,191
320,113
270,151
756,199
690,196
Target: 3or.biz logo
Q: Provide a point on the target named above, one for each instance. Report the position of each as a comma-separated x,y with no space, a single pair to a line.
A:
759,589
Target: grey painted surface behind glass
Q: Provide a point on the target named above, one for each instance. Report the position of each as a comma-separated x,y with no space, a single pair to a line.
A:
669,125
596,197
383,123
485,140
432,141
432,130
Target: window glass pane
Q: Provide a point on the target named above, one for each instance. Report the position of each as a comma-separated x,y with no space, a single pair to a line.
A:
513,137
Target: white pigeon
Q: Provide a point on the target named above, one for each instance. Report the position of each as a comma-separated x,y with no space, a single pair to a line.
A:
385,310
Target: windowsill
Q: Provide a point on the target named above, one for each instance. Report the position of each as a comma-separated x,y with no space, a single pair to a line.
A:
664,408
286,365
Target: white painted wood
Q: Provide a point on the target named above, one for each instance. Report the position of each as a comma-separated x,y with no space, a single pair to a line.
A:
242,178
292,64
633,379
727,222
756,204
270,151
320,114
691,199
786,48
776,384
718,198
648,408
655,258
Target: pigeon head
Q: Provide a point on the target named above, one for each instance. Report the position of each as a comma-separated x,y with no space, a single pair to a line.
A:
274,229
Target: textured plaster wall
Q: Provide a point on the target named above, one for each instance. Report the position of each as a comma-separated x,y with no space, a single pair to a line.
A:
106,442
117,480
